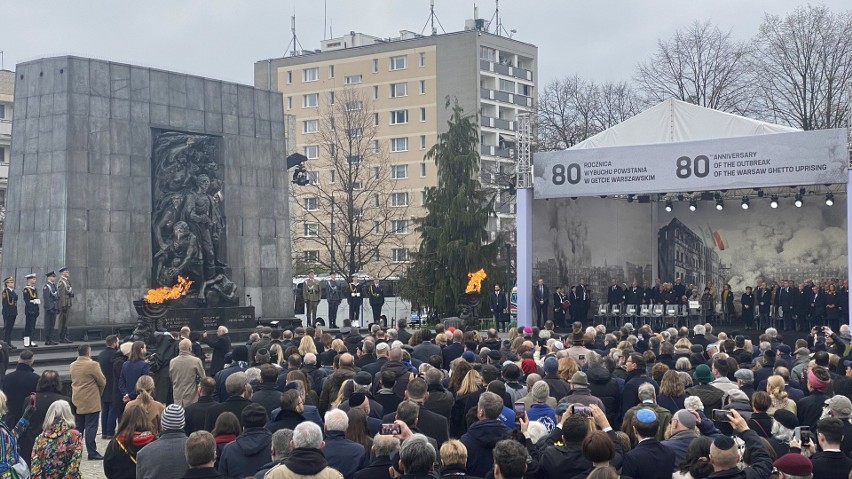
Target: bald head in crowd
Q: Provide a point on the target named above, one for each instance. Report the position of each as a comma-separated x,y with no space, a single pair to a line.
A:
185,345
346,360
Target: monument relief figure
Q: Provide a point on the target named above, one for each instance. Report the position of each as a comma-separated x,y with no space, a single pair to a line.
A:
188,215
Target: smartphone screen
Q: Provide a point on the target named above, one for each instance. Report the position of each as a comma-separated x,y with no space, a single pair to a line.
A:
519,409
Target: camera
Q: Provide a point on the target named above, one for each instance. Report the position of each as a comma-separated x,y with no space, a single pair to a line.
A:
581,411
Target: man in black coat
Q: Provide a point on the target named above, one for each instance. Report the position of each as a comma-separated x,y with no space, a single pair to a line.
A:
831,462
500,306
802,308
679,290
383,448
47,392
221,345
763,298
377,299
10,308
430,424
567,460
787,302
453,350
355,298
649,459
18,385
105,360
615,295
265,393
196,413
541,296
636,376
238,390
634,295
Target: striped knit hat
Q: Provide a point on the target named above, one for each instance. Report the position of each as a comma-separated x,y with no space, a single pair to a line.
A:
173,418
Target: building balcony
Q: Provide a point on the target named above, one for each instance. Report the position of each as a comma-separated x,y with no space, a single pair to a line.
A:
507,70
6,127
505,97
491,122
492,150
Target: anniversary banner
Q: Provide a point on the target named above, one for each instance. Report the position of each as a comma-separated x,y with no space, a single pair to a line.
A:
781,159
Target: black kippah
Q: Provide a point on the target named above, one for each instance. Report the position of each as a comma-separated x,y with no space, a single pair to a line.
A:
724,442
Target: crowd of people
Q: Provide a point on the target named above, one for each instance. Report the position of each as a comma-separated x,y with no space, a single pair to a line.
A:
786,305
439,402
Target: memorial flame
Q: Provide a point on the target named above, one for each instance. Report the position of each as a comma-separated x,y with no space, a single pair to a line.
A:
164,293
474,283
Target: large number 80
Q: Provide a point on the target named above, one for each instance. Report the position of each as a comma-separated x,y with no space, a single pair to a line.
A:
686,166
559,174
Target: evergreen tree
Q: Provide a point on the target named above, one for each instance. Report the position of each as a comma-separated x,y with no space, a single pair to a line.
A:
453,233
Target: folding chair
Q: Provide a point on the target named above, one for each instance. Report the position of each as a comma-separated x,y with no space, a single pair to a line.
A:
615,315
657,314
603,312
645,313
683,316
630,312
671,314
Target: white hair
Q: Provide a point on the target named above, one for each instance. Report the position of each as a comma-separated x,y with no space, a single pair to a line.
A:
844,329
708,327
391,333
781,433
396,344
537,431
591,330
308,434
336,420
59,410
224,329
310,358
252,374
699,329
771,332
693,402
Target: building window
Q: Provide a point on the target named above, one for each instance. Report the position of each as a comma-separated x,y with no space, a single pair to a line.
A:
397,63
331,176
423,198
376,92
357,185
313,177
331,98
375,119
311,230
376,201
310,74
376,251
354,105
422,114
353,79
310,126
399,227
399,199
310,101
422,59
399,144
312,152
398,117
312,203
3,155
331,71
376,172
355,132
398,89
312,257
422,169
289,102
376,148
399,255
423,143
354,159
526,90
2,111
422,87
289,77
488,54
375,65
507,86
399,172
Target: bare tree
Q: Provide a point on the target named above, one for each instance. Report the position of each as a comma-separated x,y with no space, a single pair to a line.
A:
804,66
572,109
353,214
700,64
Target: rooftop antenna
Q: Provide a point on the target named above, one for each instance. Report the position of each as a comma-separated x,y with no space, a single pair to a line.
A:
499,30
324,19
2,63
433,17
294,42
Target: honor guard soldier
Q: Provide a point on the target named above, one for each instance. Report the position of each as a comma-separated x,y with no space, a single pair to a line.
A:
31,310
377,299
10,309
50,294
312,291
334,296
355,300
66,293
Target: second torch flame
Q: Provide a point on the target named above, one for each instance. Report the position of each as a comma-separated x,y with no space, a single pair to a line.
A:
474,283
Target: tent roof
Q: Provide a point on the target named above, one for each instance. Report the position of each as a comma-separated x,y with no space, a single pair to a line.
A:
674,120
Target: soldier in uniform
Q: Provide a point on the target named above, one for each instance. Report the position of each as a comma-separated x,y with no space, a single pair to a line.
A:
312,291
10,309
377,299
51,307
31,302
334,296
66,293
355,299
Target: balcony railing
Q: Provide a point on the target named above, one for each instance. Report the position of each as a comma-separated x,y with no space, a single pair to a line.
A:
492,150
506,70
505,97
5,127
491,122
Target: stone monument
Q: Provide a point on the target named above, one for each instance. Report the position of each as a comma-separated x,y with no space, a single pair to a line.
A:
133,177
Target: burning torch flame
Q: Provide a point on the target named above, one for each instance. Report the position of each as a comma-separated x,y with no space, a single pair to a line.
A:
474,283
165,293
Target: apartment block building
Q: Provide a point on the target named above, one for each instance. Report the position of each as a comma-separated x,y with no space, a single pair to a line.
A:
7,94
408,82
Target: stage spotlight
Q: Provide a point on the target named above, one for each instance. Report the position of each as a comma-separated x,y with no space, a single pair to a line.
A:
680,197
745,202
829,199
693,205
720,204
669,206
630,198
760,193
798,202
774,202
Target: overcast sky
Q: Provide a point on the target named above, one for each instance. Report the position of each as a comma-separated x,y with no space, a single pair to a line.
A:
598,39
